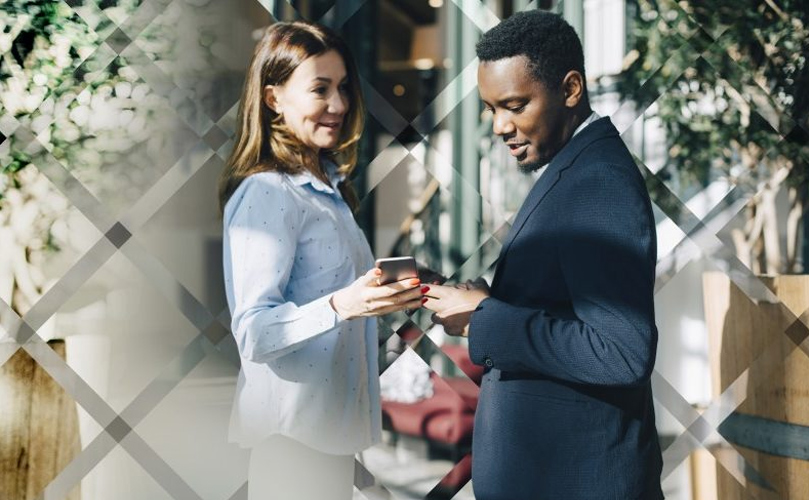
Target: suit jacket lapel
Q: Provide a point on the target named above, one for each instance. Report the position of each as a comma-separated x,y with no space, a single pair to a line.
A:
599,129
544,184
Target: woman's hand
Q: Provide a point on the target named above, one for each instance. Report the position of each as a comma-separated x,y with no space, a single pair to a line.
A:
366,297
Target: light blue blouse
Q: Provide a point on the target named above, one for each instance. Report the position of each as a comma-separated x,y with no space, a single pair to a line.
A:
290,241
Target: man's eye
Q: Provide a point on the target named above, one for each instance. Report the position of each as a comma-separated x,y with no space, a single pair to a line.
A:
517,109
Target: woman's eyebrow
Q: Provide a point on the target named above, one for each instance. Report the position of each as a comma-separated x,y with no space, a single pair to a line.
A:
326,79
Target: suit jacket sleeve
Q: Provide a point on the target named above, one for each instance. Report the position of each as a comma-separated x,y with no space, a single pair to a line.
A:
607,252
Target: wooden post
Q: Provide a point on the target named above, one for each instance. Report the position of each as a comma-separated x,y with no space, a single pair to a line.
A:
771,424
39,428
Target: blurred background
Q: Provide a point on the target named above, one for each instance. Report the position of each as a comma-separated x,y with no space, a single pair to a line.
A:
117,368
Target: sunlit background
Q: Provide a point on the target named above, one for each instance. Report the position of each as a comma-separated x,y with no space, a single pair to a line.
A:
117,369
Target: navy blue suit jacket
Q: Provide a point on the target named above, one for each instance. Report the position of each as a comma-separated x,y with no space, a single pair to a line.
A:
569,337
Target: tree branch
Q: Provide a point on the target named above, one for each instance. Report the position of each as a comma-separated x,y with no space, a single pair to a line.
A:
777,10
793,221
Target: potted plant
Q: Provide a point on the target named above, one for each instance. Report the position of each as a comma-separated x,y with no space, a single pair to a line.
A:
729,83
66,101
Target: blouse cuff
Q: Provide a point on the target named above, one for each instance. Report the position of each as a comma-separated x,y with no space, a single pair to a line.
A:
323,314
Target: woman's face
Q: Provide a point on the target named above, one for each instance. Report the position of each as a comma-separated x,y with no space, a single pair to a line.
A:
314,100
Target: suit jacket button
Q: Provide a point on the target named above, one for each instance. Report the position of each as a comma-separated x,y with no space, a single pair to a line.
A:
488,362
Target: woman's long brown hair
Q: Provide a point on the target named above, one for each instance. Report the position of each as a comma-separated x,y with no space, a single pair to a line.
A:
263,141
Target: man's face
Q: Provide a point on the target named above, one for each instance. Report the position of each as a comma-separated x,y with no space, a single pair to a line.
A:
530,118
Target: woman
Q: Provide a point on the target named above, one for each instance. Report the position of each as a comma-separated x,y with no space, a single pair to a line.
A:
308,393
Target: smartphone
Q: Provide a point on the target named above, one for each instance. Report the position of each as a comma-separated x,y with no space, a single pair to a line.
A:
396,269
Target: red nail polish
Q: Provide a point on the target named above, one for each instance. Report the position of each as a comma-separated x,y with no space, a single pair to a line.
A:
424,300
425,289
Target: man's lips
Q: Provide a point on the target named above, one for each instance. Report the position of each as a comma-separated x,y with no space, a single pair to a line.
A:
517,148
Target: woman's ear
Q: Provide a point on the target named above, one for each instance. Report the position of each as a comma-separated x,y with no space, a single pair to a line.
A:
271,98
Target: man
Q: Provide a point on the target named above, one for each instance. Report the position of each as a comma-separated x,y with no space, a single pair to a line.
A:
567,331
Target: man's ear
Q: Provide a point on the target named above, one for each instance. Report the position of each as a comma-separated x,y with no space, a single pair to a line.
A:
573,87
271,98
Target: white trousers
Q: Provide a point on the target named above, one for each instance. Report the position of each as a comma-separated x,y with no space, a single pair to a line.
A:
284,469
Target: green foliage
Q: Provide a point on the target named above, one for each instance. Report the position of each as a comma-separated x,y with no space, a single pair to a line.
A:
116,122
105,91
52,67
730,83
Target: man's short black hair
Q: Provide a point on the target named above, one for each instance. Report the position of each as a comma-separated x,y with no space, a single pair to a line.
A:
547,40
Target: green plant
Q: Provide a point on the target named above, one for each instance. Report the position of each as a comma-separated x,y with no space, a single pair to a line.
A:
730,84
69,101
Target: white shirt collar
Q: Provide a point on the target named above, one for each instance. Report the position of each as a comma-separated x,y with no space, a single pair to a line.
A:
304,177
590,119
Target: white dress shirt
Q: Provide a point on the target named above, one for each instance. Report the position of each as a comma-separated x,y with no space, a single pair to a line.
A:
290,241
590,119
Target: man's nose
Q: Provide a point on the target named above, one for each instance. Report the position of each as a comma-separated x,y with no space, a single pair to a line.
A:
501,124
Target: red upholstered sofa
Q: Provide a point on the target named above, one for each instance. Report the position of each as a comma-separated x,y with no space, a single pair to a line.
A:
445,420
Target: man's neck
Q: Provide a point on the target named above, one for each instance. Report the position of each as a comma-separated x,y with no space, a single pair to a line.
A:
580,114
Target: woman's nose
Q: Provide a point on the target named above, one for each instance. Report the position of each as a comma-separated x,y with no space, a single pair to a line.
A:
338,103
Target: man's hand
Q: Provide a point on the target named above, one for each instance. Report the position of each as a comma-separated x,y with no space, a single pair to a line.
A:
430,277
475,284
454,305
